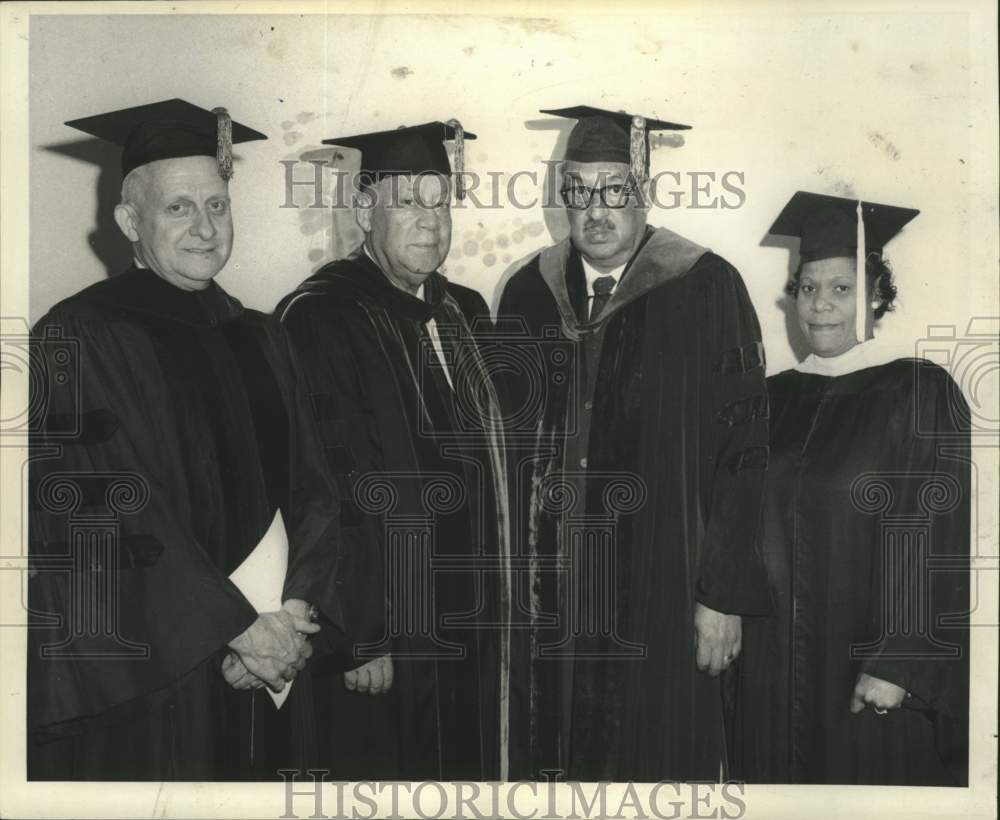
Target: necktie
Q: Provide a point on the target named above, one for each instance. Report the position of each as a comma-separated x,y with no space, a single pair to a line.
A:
428,330
603,285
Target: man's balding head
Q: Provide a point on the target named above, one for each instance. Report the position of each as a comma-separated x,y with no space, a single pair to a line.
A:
176,214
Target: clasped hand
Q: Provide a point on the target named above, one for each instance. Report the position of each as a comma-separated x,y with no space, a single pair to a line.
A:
374,677
880,694
272,651
717,639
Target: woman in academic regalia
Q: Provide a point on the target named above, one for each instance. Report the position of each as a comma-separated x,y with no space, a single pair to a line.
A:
861,673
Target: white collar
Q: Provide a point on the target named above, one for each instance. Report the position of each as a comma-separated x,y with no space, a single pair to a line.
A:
867,354
593,274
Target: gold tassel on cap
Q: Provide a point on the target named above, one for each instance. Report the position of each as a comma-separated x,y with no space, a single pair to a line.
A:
637,149
224,143
860,299
458,160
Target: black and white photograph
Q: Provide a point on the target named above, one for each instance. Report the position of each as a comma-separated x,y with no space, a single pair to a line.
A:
568,410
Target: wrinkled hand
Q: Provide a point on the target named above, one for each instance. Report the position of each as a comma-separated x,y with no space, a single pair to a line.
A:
237,675
274,647
375,677
717,639
297,608
877,693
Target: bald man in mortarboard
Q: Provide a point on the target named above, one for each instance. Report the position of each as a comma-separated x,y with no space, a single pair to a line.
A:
409,420
183,529
658,383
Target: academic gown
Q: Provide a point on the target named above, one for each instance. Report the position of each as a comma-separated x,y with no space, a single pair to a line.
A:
171,429
866,540
639,458
421,463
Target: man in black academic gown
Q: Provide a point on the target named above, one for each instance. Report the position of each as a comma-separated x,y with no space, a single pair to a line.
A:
638,490
409,420
172,452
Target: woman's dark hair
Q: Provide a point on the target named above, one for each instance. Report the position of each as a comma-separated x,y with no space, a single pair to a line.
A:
877,271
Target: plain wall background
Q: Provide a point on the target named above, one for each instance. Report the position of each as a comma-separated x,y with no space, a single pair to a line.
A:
882,106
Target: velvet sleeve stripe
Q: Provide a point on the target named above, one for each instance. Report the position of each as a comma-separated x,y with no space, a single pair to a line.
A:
744,411
323,405
750,458
741,359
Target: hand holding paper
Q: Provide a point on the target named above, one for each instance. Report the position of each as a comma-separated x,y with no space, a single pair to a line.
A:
273,649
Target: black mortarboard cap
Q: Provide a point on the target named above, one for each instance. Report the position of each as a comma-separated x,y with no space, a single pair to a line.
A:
828,225
831,226
168,130
611,136
415,149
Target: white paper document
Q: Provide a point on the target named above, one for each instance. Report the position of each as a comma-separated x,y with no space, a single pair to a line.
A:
261,579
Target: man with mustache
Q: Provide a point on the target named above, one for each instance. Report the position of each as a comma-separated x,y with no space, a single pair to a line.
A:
638,479
183,531
410,427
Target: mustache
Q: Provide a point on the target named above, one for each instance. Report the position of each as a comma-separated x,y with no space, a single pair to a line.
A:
599,224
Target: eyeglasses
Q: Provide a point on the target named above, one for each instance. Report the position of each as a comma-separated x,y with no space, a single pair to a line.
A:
580,197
